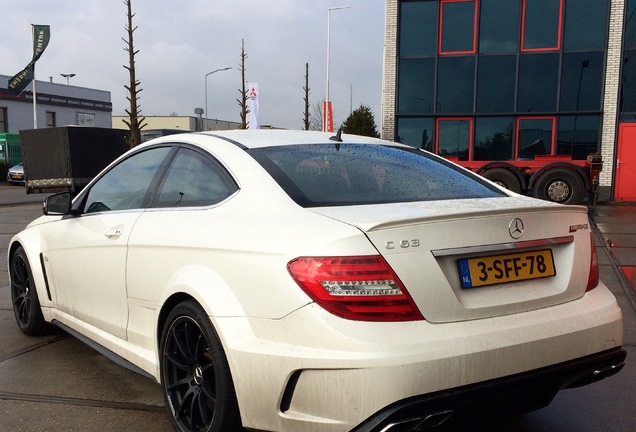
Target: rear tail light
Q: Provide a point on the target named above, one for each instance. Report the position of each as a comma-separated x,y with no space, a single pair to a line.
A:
362,288
592,280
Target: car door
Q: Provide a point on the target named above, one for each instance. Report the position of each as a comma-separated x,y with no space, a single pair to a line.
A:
194,182
87,255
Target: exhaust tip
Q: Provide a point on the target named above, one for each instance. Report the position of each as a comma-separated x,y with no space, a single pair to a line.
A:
416,424
599,374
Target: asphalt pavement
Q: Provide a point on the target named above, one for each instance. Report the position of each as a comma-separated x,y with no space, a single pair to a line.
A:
56,383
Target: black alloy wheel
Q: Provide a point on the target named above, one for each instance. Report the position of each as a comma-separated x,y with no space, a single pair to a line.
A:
196,380
24,297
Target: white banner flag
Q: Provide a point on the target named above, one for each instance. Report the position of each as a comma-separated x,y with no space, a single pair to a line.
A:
252,104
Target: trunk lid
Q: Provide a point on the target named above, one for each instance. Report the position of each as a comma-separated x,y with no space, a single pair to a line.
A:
471,259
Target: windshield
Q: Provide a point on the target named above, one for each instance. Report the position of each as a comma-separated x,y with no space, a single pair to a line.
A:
319,175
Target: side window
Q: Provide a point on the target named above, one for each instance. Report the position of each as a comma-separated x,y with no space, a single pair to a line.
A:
125,185
193,180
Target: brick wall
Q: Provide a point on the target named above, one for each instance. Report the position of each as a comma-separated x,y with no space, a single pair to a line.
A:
610,101
390,70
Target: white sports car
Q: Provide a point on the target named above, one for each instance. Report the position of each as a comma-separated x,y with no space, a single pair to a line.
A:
294,281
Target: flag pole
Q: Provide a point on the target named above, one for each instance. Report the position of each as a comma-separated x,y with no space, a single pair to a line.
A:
35,111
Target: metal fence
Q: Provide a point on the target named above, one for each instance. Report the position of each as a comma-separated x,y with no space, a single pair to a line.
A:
10,150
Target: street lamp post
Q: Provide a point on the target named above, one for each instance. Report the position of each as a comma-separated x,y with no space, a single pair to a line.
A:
325,118
584,64
68,78
206,93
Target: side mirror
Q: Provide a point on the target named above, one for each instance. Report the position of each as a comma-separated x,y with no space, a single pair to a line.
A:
57,204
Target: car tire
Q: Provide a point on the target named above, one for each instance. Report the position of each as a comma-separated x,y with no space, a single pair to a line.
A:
195,376
560,185
24,297
504,178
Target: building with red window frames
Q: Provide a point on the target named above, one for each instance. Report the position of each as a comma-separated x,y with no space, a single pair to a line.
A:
521,91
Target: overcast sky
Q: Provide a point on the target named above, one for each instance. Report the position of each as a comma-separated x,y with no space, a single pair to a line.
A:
179,42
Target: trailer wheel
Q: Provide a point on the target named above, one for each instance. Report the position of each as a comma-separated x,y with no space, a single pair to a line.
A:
560,185
504,178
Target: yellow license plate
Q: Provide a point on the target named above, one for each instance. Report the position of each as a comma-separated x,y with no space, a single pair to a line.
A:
497,269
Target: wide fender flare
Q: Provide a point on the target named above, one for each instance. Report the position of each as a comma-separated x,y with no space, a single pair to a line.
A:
206,287
31,242
579,170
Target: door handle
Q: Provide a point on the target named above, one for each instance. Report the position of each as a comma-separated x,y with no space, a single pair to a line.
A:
114,232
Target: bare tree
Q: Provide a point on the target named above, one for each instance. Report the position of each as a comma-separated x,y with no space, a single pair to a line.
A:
306,117
243,100
135,123
315,123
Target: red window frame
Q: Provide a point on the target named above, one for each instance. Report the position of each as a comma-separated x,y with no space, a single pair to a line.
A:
470,121
441,24
517,131
523,30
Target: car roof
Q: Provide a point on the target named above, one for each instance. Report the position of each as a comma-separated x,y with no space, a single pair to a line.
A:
258,138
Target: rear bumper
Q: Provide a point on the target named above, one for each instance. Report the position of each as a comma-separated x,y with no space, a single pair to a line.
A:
312,371
512,394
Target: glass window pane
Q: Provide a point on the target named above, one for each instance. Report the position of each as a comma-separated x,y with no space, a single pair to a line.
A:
585,24
493,138
496,84
193,180
418,28
534,137
416,132
3,120
453,138
538,82
630,25
51,119
581,81
351,174
455,82
578,136
541,24
499,26
458,26
416,86
118,190
628,83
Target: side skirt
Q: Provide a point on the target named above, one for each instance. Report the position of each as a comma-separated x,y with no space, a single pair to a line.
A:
103,350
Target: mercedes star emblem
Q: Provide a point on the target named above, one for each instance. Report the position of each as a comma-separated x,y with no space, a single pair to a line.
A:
515,229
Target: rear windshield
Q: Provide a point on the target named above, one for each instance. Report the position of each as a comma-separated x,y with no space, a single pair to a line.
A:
320,175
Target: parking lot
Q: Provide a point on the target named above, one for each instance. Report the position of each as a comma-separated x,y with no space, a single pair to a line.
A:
56,383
